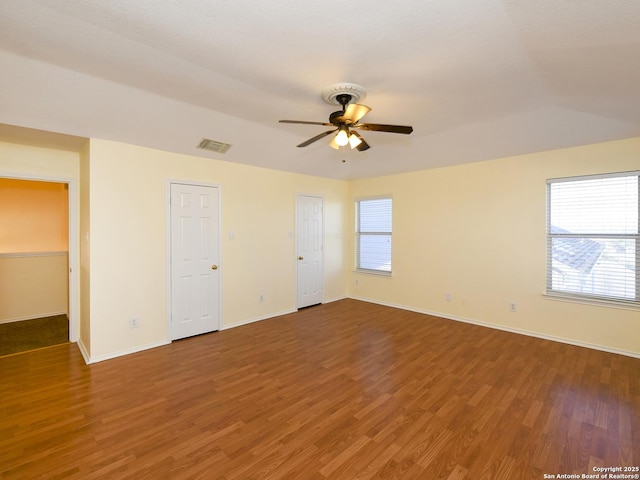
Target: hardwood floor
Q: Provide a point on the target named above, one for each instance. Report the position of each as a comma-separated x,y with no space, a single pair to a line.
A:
347,390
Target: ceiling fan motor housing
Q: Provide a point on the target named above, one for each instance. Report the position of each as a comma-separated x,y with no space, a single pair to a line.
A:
336,117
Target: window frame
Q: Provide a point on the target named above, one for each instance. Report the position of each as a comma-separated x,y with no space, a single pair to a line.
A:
358,234
605,300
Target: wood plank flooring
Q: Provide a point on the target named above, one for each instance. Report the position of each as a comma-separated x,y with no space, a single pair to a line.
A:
347,390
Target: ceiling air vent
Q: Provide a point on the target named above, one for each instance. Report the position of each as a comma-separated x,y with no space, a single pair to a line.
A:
212,145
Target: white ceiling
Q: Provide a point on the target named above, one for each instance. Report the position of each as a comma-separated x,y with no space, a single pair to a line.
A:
476,79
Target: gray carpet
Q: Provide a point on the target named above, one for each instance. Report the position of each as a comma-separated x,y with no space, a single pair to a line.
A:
31,334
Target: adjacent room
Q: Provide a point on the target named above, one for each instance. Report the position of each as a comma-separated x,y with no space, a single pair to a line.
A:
33,265
319,240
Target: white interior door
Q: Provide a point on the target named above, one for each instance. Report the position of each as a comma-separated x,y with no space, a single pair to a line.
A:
195,276
310,250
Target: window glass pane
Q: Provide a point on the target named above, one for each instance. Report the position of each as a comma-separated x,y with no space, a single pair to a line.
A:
375,252
595,206
599,267
373,234
593,237
375,215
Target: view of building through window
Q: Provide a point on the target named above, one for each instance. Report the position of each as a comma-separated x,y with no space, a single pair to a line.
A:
593,236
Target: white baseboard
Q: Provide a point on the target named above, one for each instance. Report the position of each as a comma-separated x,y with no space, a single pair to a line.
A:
528,333
31,317
272,315
331,300
83,351
89,360
256,319
100,358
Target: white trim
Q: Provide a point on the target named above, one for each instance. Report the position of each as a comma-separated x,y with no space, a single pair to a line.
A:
167,225
73,250
258,319
31,317
73,261
83,351
600,302
122,353
519,331
357,235
595,176
373,197
331,300
33,254
375,273
273,315
169,182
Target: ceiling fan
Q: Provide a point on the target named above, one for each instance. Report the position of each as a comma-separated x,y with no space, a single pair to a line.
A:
347,120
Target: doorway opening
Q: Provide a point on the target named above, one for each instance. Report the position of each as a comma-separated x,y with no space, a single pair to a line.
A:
37,252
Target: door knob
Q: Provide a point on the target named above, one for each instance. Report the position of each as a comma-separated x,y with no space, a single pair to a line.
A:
300,258
214,267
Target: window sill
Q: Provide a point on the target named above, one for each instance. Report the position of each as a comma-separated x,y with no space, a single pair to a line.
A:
565,297
373,273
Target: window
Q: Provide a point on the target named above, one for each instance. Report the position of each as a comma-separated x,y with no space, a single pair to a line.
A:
593,245
373,235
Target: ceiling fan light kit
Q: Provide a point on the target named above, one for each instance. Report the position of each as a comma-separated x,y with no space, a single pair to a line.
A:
347,95
342,137
354,141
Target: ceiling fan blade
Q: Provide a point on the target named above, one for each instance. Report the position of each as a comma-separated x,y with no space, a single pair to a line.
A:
316,138
377,127
354,112
306,123
363,145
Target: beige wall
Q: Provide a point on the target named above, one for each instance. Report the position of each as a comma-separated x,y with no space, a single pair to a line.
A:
128,254
32,162
34,216
478,231
33,286
26,161
34,227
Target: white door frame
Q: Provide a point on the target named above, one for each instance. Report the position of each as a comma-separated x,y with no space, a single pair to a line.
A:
74,253
321,197
170,182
